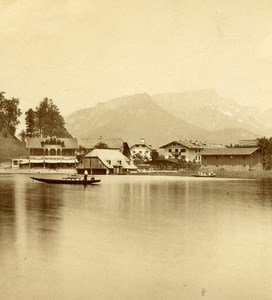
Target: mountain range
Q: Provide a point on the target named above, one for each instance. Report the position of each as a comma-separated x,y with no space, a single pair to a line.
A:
201,115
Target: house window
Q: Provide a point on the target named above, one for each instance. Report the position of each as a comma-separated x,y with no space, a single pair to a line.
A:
15,162
52,152
109,162
176,150
182,150
170,150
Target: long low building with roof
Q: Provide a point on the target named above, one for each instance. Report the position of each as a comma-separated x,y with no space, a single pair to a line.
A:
232,159
106,161
49,153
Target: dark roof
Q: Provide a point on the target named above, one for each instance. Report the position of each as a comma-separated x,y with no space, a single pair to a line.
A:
69,143
90,143
228,151
189,145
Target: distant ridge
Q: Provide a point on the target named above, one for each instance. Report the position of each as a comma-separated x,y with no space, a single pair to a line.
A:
213,112
161,118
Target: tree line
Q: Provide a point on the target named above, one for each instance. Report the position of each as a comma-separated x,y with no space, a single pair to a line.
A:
265,146
42,121
9,113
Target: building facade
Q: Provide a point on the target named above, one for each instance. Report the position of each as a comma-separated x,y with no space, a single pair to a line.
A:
141,150
106,161
183,150
232,159
51,152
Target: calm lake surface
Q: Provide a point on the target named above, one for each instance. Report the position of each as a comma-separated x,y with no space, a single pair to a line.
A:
136,237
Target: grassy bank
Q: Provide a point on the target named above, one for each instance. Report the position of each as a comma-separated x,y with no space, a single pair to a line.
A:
11,147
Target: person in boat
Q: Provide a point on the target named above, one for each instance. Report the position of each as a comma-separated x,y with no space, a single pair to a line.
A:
85,175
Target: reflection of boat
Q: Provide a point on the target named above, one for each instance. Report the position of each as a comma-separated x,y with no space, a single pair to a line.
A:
68,180
205,174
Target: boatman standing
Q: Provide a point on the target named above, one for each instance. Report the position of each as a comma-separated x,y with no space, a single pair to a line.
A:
85,175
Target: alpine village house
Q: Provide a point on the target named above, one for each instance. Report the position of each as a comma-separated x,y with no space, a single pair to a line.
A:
49,153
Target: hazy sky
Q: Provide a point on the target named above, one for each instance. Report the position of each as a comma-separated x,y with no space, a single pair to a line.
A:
84,51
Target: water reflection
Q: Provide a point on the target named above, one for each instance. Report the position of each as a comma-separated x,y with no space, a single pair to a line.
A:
136,237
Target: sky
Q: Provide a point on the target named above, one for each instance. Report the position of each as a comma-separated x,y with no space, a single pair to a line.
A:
82,52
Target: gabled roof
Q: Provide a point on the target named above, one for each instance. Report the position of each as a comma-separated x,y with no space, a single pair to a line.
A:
189,145
69,143
141,144
228,151
112,156
90,143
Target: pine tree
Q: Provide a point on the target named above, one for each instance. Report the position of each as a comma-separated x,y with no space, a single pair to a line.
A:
30,121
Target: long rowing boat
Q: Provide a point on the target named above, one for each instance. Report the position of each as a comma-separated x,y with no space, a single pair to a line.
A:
67,180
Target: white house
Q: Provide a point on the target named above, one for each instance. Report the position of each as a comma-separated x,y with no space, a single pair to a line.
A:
183,150
141,149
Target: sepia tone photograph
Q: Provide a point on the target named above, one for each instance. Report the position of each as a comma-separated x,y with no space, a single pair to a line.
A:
135,149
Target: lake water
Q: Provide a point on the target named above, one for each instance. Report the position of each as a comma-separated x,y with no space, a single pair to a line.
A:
136,237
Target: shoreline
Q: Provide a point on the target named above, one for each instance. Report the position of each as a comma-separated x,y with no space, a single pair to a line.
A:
185,173
37,171
219,174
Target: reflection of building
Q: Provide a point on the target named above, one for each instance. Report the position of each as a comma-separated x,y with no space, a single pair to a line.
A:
105,161
183,150
234,159
141,150
49,152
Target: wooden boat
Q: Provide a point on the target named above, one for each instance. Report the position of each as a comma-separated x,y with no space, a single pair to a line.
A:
68,180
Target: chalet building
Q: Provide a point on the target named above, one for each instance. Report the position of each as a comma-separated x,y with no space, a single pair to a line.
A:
232,159
183,150
106,161
49,152
141,150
